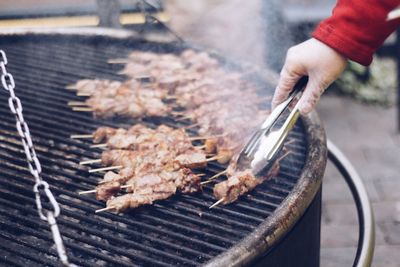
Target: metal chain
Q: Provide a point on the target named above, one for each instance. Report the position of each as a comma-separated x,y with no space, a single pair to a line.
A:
35,168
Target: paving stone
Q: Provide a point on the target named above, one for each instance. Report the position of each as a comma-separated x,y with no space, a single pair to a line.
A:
386,256
336,193
387,211
388,190
379,236
336,235
337,257
383,163
391,231
341,213
339,192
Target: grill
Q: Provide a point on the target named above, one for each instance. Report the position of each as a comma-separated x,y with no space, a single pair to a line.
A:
180,231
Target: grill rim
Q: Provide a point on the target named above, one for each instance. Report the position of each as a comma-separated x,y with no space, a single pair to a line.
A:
274,228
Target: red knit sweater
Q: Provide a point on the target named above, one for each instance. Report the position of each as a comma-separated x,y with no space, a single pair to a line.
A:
357,28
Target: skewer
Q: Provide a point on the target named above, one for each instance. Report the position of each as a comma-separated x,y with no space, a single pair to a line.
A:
191,126
86,162
170,97
83,94
82,109
88,192
200,147
76,103
178,113
206,137
118,61
217,203
105,209
213,158
81,136
214,177
98,145
106,169
71,87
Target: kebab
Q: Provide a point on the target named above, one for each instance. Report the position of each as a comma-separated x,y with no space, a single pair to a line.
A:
151,187
240,182
130,99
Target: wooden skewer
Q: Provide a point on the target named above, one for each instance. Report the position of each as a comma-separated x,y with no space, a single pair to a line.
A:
76,103
206,137
217,203
87,162
191,126
200,174
82,136
83,94
213,158
82,109
284,155
105,209
170,97
214,177
118,61
98,145
200,147
71,87
177,113
87,192
126,186
106,169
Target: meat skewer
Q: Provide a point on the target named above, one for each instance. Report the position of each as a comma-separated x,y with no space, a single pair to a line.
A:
241,182
149,188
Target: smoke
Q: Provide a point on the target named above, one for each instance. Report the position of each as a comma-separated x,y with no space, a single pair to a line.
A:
251,31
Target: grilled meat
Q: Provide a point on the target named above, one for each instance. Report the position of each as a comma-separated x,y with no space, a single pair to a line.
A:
155,186
240,183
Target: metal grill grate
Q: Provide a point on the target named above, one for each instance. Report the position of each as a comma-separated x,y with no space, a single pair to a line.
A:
180,231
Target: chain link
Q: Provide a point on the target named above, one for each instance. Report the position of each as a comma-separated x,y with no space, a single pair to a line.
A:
41,188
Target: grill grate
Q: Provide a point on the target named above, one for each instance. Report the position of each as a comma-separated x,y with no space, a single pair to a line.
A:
180,231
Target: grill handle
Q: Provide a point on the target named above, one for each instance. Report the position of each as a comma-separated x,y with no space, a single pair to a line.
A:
366,239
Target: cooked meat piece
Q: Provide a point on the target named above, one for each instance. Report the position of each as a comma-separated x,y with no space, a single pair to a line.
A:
192,160
102,133
240,183
106,190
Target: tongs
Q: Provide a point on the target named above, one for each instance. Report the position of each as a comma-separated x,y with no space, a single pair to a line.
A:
261,150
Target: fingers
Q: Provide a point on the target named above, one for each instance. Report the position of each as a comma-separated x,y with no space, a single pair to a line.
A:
311,95
287,81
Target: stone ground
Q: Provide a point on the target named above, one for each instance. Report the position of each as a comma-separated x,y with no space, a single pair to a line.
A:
367,136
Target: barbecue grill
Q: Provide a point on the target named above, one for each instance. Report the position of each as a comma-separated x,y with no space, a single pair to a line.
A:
281,217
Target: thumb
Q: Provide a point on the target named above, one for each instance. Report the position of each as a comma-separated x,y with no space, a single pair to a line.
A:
287,81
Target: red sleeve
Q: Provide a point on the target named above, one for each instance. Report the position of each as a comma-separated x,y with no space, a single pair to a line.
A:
357,28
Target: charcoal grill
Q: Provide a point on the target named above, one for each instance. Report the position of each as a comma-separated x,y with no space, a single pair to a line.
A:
180,231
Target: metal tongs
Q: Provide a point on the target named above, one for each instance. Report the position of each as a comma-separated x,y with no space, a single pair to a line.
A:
261,150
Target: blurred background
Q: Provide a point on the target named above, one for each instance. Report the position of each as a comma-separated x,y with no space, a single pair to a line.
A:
359,111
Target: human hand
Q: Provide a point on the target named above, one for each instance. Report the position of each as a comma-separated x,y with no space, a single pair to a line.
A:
322,64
